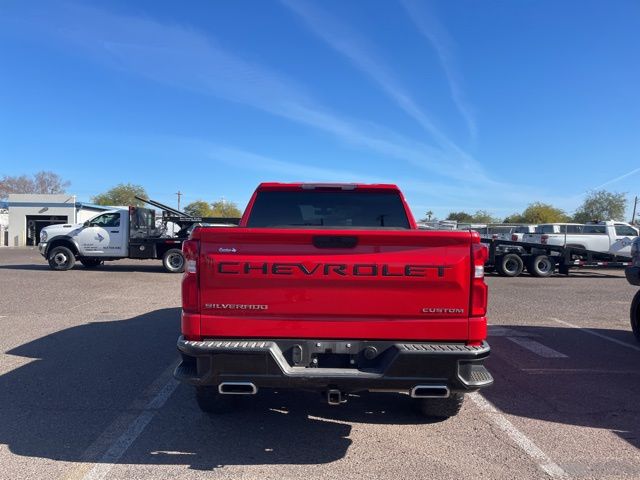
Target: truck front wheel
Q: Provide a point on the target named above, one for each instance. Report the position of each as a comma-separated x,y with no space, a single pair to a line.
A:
61,258
635,315
441,408
210,401
173,261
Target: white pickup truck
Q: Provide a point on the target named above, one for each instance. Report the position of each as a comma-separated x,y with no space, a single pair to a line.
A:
604,237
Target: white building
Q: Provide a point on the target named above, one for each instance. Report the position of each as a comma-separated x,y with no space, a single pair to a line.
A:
29,213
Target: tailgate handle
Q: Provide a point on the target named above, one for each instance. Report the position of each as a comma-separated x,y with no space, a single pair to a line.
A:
334,241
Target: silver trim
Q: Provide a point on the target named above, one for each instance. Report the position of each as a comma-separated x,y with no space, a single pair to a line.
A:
253,389
415,394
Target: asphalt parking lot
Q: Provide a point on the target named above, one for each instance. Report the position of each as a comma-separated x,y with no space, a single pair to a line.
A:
86,390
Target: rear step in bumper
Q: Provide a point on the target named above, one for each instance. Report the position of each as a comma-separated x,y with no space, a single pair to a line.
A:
348,366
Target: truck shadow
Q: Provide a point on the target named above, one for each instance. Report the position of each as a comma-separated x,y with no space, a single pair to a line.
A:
271,428
61,391
143,267
597,384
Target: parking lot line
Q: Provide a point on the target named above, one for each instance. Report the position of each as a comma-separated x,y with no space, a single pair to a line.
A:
525,443
122,444
124,430
597,334
536,347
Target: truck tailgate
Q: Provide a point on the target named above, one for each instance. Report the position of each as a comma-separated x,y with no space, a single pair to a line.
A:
311,283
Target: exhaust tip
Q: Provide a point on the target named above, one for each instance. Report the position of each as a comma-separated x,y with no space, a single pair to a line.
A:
430,391
237,388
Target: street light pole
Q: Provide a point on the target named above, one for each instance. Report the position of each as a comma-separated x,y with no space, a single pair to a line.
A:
179,194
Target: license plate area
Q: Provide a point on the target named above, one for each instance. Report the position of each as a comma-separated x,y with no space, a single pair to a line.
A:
326,354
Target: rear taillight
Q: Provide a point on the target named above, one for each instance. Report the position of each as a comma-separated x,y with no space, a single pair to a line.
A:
514,237
478,287
190,290
543,239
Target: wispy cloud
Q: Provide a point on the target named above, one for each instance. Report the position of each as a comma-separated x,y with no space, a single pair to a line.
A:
617,179
292,171
185,58
442,43
347,42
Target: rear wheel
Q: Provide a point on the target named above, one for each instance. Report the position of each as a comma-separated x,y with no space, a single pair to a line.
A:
211,401
90,262
510,265
441,407
541,266
173,261
635,315
61,258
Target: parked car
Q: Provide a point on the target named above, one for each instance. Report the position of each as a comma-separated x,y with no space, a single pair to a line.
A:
633,277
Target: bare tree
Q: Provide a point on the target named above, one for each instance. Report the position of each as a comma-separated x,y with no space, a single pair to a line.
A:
41,182
49,183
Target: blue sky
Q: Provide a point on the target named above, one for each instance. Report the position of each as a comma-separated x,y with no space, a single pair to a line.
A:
466,105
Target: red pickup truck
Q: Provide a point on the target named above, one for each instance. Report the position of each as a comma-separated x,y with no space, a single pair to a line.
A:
332,288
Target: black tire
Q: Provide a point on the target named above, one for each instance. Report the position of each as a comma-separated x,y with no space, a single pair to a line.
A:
635,315
173,261
61,258
510,265
541,266
210,401
441,408
90,262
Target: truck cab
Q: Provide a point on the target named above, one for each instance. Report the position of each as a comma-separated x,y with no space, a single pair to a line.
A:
105,235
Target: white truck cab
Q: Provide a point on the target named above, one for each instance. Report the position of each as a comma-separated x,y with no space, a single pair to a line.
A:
102,236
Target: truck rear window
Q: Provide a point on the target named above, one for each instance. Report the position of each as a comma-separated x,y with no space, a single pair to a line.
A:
318,208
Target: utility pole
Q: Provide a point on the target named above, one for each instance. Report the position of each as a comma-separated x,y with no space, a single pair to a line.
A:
179,194
633,216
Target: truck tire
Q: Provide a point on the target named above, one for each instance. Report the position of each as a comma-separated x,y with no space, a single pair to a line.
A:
509,265
90,262
173,261
441,408
210,401
541,266
635,316
61,258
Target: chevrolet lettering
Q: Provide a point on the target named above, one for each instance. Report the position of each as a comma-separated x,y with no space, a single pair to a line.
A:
330,269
